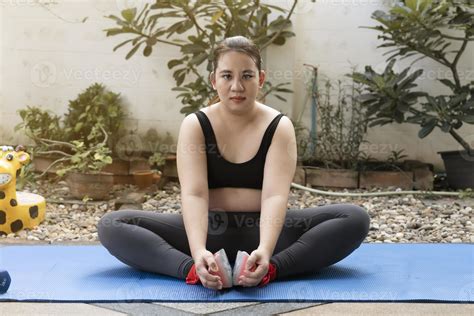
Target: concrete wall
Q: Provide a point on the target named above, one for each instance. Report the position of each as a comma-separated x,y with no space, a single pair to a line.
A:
48,56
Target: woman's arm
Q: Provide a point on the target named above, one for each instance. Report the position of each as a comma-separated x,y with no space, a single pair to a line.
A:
280,166
192,173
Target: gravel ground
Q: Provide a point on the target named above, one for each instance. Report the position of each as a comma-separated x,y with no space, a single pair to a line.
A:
393,219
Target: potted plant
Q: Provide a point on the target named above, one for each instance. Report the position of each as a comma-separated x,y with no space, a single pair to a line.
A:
95,105
40,124
330,153
83,167
424,28
157,161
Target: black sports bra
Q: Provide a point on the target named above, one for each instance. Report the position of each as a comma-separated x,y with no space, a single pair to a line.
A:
222,173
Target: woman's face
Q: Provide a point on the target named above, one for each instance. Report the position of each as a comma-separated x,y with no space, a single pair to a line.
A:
237,80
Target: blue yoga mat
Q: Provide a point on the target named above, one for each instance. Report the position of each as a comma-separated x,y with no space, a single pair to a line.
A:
373,273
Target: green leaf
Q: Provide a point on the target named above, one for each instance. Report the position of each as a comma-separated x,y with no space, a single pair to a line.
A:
121,44
129,14
412,4
161,5
448,83
61,172
280,40
427,129
180,89
180,79
114,31
399,11
133,51
216,16
192,49
379,81
381,121
147,51
198,59
409,80
78,126
185,26
280,97
108,160
174,62
284,90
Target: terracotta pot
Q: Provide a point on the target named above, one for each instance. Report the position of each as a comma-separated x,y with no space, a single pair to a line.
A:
118,167
95,186
41,163
143,179
170,169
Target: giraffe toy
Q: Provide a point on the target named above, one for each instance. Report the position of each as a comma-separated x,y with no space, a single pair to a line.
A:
18,210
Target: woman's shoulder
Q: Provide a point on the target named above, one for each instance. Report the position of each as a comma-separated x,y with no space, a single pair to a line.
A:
285,124
190,124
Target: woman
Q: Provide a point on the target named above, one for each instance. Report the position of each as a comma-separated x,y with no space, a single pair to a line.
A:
236,160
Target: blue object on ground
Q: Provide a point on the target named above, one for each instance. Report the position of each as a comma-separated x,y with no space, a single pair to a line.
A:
375,272
5,281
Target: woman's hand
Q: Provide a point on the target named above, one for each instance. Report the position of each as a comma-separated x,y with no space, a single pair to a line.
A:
205,262
256,268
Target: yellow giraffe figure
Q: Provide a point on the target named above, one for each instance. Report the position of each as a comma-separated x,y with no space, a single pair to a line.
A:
18,210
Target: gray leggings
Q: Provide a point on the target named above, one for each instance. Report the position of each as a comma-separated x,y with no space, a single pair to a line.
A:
311,238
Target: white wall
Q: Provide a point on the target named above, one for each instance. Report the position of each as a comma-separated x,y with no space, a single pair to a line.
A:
47,57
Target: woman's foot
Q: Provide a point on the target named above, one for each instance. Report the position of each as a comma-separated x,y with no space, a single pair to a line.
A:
192,277
239,266
270,276
224,270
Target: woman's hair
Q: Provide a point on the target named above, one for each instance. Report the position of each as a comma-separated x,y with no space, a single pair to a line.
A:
239,44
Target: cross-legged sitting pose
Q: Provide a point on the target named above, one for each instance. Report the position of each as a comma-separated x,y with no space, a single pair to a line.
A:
236,159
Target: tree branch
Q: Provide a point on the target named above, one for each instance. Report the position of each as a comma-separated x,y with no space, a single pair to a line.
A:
193,19
54,142
257,4
51,165
54,152
453,67
460,140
